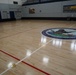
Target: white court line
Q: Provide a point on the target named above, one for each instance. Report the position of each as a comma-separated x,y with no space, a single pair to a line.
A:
26,57
72,25
5,71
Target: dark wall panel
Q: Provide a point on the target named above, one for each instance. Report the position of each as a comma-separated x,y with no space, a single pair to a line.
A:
0,16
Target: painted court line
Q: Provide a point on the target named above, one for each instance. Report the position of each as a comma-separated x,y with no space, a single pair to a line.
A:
5,71
22,62
19,61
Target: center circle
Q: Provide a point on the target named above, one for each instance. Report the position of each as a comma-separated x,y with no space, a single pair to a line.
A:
60,33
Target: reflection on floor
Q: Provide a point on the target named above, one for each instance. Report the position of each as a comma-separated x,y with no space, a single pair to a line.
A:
22,42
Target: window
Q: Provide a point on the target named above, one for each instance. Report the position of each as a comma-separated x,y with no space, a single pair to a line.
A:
69,8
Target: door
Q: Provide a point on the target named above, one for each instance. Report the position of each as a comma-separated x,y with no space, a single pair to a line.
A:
12,15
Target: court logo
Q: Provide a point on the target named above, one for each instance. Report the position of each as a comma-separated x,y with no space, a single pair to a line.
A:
60,33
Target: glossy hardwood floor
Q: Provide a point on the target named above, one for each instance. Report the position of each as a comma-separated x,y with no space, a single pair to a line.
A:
22,40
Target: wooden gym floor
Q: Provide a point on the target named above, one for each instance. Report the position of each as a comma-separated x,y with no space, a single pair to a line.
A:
23,50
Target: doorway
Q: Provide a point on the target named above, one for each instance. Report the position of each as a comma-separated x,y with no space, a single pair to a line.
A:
12,15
